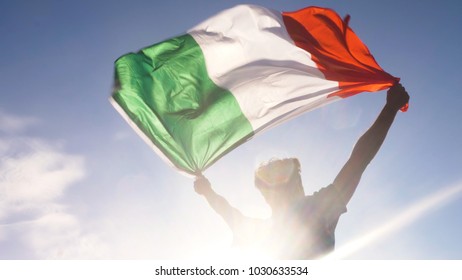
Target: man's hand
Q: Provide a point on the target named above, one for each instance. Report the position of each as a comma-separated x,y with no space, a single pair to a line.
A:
202,185
397,97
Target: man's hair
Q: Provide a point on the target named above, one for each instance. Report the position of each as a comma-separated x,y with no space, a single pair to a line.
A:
276,172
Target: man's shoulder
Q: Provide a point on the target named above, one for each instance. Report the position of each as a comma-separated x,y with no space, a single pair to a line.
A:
325,199
329,190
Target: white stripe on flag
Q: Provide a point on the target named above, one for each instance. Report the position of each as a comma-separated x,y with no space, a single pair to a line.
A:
249,52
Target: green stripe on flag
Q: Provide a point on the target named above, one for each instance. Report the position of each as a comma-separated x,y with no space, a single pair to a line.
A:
165,91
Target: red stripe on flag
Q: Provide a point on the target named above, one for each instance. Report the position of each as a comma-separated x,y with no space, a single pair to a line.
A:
336,50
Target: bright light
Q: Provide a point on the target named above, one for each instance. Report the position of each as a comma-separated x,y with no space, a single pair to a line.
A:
407,216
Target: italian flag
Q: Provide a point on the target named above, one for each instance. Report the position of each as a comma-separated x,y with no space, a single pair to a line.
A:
198,96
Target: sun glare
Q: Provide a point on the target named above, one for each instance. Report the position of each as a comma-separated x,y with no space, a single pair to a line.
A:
409,215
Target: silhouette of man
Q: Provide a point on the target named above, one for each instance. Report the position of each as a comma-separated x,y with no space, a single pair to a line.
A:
302,227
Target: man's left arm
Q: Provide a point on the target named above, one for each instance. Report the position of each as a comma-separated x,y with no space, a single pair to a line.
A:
369,143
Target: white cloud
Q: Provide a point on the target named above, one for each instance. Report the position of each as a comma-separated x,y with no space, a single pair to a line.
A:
34,178
59,236
33,175
11,124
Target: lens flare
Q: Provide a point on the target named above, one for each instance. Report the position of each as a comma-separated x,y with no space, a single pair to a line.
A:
409,215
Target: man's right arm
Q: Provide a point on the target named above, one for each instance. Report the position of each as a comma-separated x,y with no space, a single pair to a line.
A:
231,215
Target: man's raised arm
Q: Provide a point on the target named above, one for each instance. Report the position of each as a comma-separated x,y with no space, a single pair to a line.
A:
231,215
369,143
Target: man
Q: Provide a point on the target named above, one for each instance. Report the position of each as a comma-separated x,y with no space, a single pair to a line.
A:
302,227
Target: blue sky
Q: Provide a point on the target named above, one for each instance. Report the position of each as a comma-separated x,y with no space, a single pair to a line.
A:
76,182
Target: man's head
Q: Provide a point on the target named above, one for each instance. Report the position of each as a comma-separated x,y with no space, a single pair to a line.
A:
279,181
